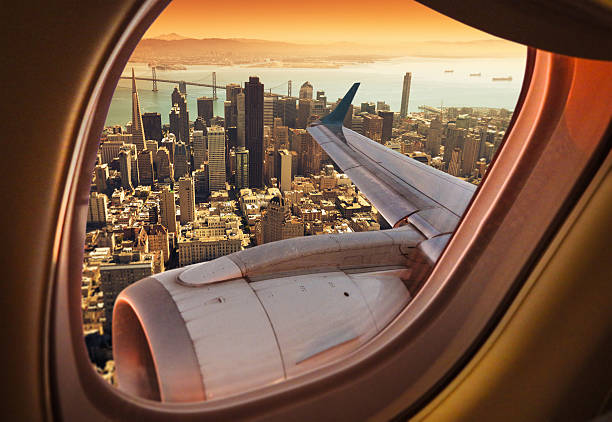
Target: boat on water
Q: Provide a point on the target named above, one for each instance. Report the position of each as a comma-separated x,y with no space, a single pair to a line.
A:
449,71
502,78
476,74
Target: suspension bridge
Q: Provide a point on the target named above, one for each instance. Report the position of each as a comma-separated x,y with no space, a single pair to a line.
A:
201,82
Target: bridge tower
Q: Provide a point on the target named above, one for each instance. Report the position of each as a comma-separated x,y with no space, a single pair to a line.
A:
154,78
289,89
214,84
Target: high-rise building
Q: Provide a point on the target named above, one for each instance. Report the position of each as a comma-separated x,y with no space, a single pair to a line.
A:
454,166
382,106
199,124
138,136
387,125
231,94
97,213
321,97
227,113
165,169
281,137
152,126
125,167
145,167
287,111
470,154
254,130
135,173
306,91
357,124
175,121
109,150
455,137
205,109
434,138
372,127
405,95
240,119
101,176
284,169
152,146
168,143
242,168
180,99
200,153
186,199
200,182
167,210
277,222
304,112
216,158
181,160
270,103
368,108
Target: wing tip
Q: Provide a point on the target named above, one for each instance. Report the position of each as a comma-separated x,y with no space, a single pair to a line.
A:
336,117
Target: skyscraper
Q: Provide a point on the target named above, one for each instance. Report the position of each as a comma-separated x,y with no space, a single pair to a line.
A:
242,168
304,112
175,121
145,167
199,149
387,125
254,130
180,99
405,95
470,154
97,212
284,169
181,160
231,94
269,109
373,126
306,91
167,210
186,199
287,111
152,126
125,167
165,170
240,119
200,182
138,137
434,138
216,158
102,174
205,109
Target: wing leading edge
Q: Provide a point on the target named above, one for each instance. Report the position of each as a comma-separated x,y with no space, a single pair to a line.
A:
401,188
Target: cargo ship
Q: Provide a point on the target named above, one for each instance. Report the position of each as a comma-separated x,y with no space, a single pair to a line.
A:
502,78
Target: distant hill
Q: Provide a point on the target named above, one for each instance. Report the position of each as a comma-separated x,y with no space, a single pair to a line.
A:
178,49
169,37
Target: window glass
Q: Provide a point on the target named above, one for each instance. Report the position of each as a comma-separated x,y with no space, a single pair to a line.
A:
205,150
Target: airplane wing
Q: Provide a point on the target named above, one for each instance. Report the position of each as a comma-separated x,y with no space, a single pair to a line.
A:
401,188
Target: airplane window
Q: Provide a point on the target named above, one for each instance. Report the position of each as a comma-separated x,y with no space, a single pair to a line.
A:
249,147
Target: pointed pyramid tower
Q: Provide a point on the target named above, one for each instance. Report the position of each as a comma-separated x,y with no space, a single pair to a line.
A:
138,137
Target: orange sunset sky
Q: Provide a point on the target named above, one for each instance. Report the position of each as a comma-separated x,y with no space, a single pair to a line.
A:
312,21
